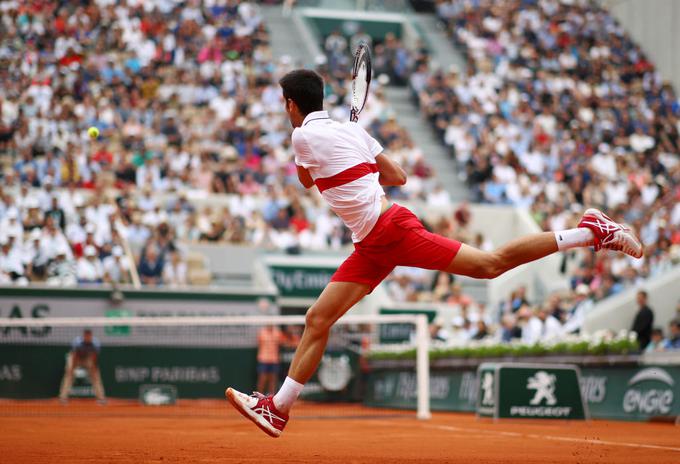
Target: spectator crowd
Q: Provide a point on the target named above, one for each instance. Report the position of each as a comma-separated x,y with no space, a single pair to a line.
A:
558,110
186,99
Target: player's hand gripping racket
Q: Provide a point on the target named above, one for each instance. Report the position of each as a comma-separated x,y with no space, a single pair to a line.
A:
361,78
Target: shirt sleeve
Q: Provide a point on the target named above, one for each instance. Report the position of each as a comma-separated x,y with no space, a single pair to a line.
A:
373,145
303,154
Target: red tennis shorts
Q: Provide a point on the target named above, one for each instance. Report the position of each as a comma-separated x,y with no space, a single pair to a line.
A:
397,239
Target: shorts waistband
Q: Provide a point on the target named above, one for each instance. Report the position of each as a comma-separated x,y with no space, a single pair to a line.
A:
390,211
389,207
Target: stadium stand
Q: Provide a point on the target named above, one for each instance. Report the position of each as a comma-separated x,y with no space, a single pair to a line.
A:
194,143
558,109
188,106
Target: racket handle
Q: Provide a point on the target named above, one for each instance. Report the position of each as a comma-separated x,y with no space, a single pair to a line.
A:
353,116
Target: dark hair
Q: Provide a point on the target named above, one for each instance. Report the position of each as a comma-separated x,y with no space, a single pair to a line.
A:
305,88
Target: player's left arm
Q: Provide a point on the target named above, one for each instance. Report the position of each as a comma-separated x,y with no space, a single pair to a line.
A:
390,171
304,158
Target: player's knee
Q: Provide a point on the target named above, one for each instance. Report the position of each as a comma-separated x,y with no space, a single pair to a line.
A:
492,266
316,323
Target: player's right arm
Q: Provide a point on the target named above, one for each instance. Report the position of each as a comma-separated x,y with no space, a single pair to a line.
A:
390,172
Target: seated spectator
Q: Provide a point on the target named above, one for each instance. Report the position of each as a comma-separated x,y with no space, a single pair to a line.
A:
673,340
151,266
657,341
61,271
56,213
175,270
539,326
35,256
116,268
34,218
481,331
11,263
458,298
89,269
509,329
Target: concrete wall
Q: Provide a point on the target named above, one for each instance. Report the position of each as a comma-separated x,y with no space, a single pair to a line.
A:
655,25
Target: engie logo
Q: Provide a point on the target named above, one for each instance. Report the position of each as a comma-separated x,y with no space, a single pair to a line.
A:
646,395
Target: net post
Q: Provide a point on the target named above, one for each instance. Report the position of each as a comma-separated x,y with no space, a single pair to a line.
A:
423,367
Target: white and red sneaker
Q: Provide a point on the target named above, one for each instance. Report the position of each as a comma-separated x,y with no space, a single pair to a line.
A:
609,234
260,409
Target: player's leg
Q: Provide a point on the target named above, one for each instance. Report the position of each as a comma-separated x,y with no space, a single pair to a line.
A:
67,381
335,300
97,384
95,378
472,262
271,413
595,229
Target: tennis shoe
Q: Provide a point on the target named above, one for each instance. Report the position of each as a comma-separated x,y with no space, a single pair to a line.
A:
611,235
260,410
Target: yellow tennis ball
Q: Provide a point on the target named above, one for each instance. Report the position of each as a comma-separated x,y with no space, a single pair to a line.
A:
93,132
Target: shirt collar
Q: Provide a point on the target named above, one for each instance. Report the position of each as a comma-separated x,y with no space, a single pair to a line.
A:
314,115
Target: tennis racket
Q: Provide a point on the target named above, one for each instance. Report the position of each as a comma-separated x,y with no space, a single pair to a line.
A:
361,79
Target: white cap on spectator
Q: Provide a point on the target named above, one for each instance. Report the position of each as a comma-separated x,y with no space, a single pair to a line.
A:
32,203
12,214
90,228
90,251
62,250
458,321
3,240
117,251
47,180
582,289
36,234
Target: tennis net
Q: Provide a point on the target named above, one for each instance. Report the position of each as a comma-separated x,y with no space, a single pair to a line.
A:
169,366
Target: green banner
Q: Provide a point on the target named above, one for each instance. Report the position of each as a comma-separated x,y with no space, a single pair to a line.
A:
449,391
612,392
632,393
301,281
401,333
538,392
36,371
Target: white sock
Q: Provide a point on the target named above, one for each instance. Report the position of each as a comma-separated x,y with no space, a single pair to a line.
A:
286,396
574,238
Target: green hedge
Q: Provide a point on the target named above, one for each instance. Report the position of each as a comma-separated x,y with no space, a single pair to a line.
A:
601,347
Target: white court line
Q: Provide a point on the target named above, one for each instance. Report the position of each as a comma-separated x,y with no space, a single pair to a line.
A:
553,437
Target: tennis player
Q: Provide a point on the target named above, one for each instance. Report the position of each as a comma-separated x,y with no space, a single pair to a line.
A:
349,168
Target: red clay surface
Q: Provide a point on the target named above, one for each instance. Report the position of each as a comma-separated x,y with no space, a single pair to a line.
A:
210,432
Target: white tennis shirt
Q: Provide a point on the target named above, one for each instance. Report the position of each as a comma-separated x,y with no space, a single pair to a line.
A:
340,157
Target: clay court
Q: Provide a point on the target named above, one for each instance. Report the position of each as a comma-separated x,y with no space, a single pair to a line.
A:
211,432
